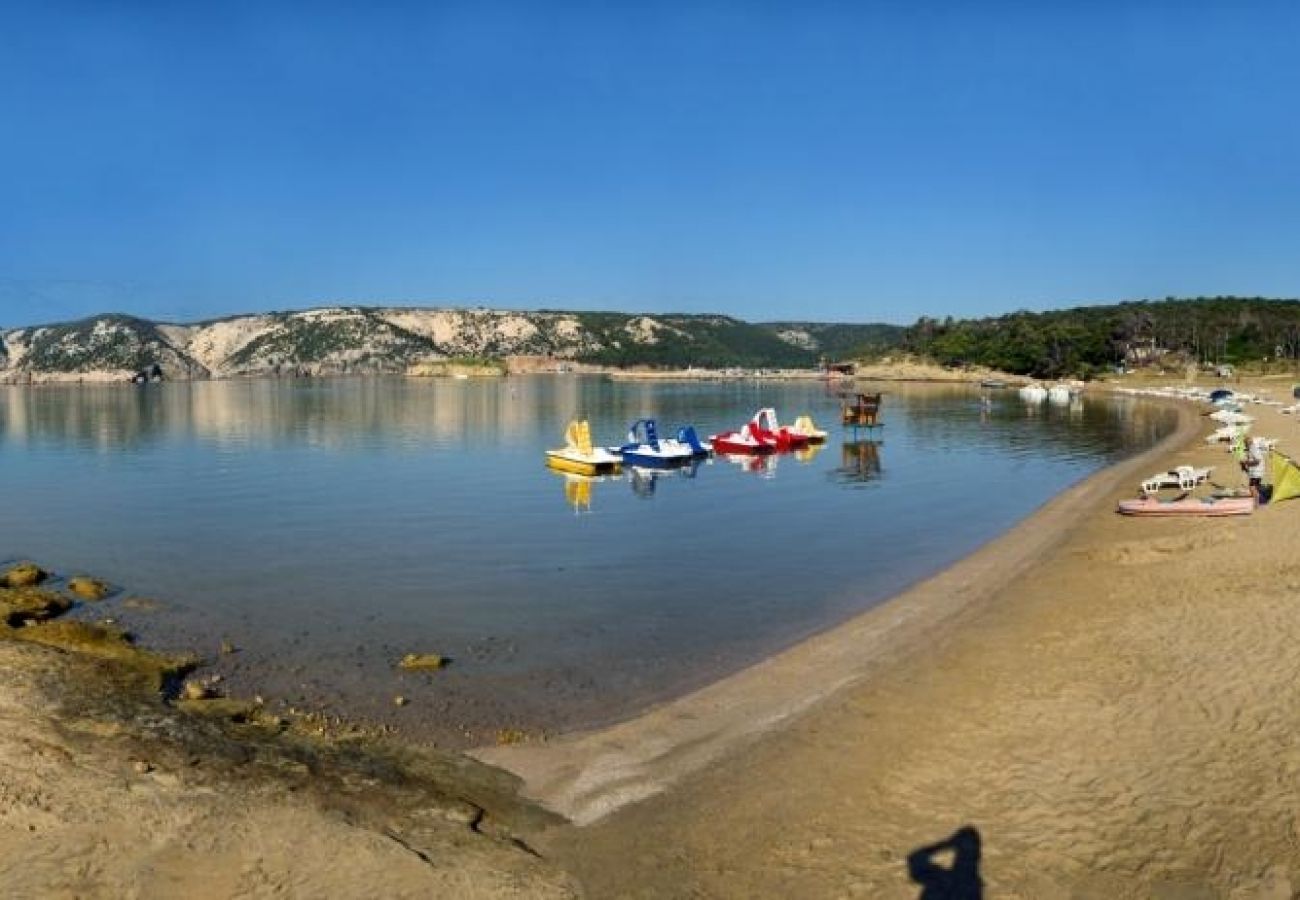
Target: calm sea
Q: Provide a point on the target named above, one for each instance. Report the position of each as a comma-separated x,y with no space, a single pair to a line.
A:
325,528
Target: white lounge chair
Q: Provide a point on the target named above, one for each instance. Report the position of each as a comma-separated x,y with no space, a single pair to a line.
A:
1182,477
1228,433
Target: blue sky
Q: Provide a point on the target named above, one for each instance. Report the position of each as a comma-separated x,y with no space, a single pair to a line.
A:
851,161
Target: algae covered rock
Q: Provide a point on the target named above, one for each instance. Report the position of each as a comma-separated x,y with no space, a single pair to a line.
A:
106,643
229,708
24,574
88,588
21,605
423,662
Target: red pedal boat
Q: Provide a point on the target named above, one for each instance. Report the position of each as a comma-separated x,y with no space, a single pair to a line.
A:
762,434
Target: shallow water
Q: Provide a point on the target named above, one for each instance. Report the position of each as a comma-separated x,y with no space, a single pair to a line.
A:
328,527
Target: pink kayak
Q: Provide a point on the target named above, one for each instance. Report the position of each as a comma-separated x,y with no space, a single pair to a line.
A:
1189,506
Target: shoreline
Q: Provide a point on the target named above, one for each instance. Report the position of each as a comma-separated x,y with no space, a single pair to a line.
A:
887,370
587,775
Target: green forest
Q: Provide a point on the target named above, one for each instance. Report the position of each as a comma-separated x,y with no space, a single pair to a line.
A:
1087,340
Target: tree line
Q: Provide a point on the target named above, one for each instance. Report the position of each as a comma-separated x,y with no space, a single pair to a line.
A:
1086,340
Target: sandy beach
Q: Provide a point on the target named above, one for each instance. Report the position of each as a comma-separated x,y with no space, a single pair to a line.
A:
1115,720
1106,702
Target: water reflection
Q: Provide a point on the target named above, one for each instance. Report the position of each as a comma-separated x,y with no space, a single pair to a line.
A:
808,454
578,489
644,482
859,462
762,465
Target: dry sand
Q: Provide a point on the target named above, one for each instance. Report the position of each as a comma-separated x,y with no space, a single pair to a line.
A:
1118,720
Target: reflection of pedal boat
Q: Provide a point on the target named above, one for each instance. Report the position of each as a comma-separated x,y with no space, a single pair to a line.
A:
643,480
577,489
1189,506
579,456
809,453
646,450
761,464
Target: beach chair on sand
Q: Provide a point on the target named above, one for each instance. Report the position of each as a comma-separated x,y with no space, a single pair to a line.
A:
1227,434
1184,478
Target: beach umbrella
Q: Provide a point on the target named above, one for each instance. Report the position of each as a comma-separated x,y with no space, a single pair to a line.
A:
1285,476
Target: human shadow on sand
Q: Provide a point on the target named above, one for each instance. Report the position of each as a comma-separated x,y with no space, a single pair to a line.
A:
958,881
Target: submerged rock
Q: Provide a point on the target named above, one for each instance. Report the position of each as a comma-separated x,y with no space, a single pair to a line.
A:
20,605
423,662
24,574
88,588
144,604
229,708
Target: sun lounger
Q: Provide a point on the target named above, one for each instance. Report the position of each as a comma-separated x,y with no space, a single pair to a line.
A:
1228,433
1182,477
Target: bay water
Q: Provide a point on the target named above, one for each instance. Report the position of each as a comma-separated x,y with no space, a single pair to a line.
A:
325,528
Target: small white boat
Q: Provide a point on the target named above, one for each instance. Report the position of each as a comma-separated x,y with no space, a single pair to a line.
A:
1033,393
1059,394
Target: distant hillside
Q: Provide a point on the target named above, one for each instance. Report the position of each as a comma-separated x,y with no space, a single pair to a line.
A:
349,339
1088,339
840,340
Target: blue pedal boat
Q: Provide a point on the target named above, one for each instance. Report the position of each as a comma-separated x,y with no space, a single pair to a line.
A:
646,450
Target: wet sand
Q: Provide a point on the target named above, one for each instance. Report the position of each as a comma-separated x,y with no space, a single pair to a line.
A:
1116,719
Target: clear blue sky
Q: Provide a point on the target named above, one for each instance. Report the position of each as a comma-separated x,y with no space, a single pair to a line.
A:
850,161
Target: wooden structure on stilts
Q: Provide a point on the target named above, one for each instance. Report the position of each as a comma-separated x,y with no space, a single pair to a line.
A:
862,412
